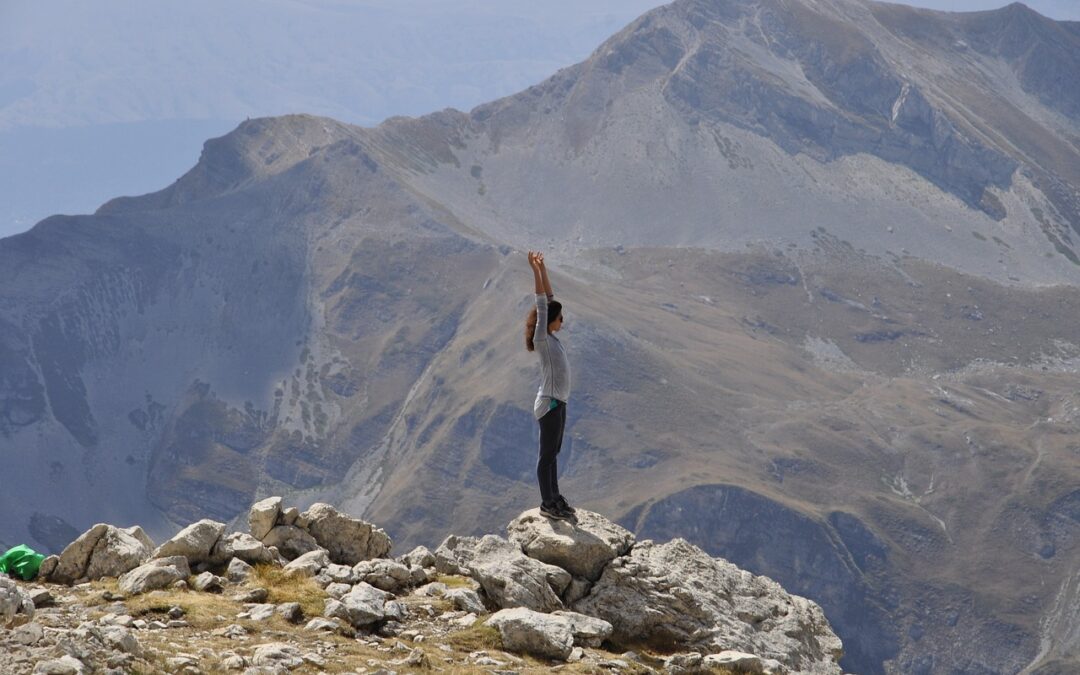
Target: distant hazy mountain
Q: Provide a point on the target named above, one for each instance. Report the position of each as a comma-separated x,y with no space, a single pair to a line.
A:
91,92
834,346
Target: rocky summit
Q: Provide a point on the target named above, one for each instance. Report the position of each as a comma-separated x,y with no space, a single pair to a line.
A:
819,262
581,596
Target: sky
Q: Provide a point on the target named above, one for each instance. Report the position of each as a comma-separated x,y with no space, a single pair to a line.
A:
115,97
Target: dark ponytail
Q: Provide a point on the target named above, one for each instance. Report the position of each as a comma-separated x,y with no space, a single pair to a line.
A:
554,310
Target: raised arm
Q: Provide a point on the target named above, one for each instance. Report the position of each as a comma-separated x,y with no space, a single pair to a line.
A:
538,273
544,276
539,282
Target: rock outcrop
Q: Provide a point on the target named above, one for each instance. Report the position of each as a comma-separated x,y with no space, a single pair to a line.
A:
621,592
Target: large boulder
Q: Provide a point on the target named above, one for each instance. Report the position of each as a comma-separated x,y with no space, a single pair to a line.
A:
291,541
195,542
508,577
243,546
677,593
264,516
523,630
583,548
349,540
15,604
101,551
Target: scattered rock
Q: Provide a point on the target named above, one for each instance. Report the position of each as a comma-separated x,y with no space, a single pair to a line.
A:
195,542
277,654
384,574
263,516
148,577
291,612
242,546
588,631
349,540
238,570
65,665
262,612
41,597
209,583
419,557
509,577
524,630
27,635
291,541
465,599
15,604
254,595
309,564
103,550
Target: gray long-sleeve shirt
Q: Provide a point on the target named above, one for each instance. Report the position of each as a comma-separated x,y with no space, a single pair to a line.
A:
554,366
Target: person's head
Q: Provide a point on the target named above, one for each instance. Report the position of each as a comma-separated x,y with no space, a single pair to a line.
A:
554,324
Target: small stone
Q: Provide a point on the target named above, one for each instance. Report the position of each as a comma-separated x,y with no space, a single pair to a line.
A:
232,631
238,570
576,654
27,635
255,595
261,612
277,654
65,665
177,623
291,612
234,662
139,624
209,583
41,597
157,625
176,612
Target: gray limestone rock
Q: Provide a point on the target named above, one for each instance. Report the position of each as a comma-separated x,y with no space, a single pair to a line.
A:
238,570
149,577
465,599
420,556
103,550
677,592
349,540
582,548
277,654
588,631
363,606
263,516
16,606
208,582
309,564
385,574
508,577
243,546
523,630
195,542
291,541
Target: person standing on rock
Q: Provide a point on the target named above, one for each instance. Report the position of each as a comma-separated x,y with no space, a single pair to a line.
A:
544,320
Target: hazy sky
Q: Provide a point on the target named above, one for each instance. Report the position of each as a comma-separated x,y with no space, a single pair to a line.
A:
111,97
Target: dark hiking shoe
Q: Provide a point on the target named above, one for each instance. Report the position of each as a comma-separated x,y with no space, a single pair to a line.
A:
561,502
553,511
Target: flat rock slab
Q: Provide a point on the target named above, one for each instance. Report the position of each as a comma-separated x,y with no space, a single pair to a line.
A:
523,630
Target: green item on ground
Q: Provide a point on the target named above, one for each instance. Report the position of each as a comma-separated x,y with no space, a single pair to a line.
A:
21,561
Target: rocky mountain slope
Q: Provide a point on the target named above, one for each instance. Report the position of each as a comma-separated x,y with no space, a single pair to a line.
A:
555,592
818,262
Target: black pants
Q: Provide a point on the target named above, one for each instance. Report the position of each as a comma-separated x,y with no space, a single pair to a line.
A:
547,468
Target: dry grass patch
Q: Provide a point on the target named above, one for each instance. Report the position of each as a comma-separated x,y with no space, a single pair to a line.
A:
289,588
456,581
474,638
